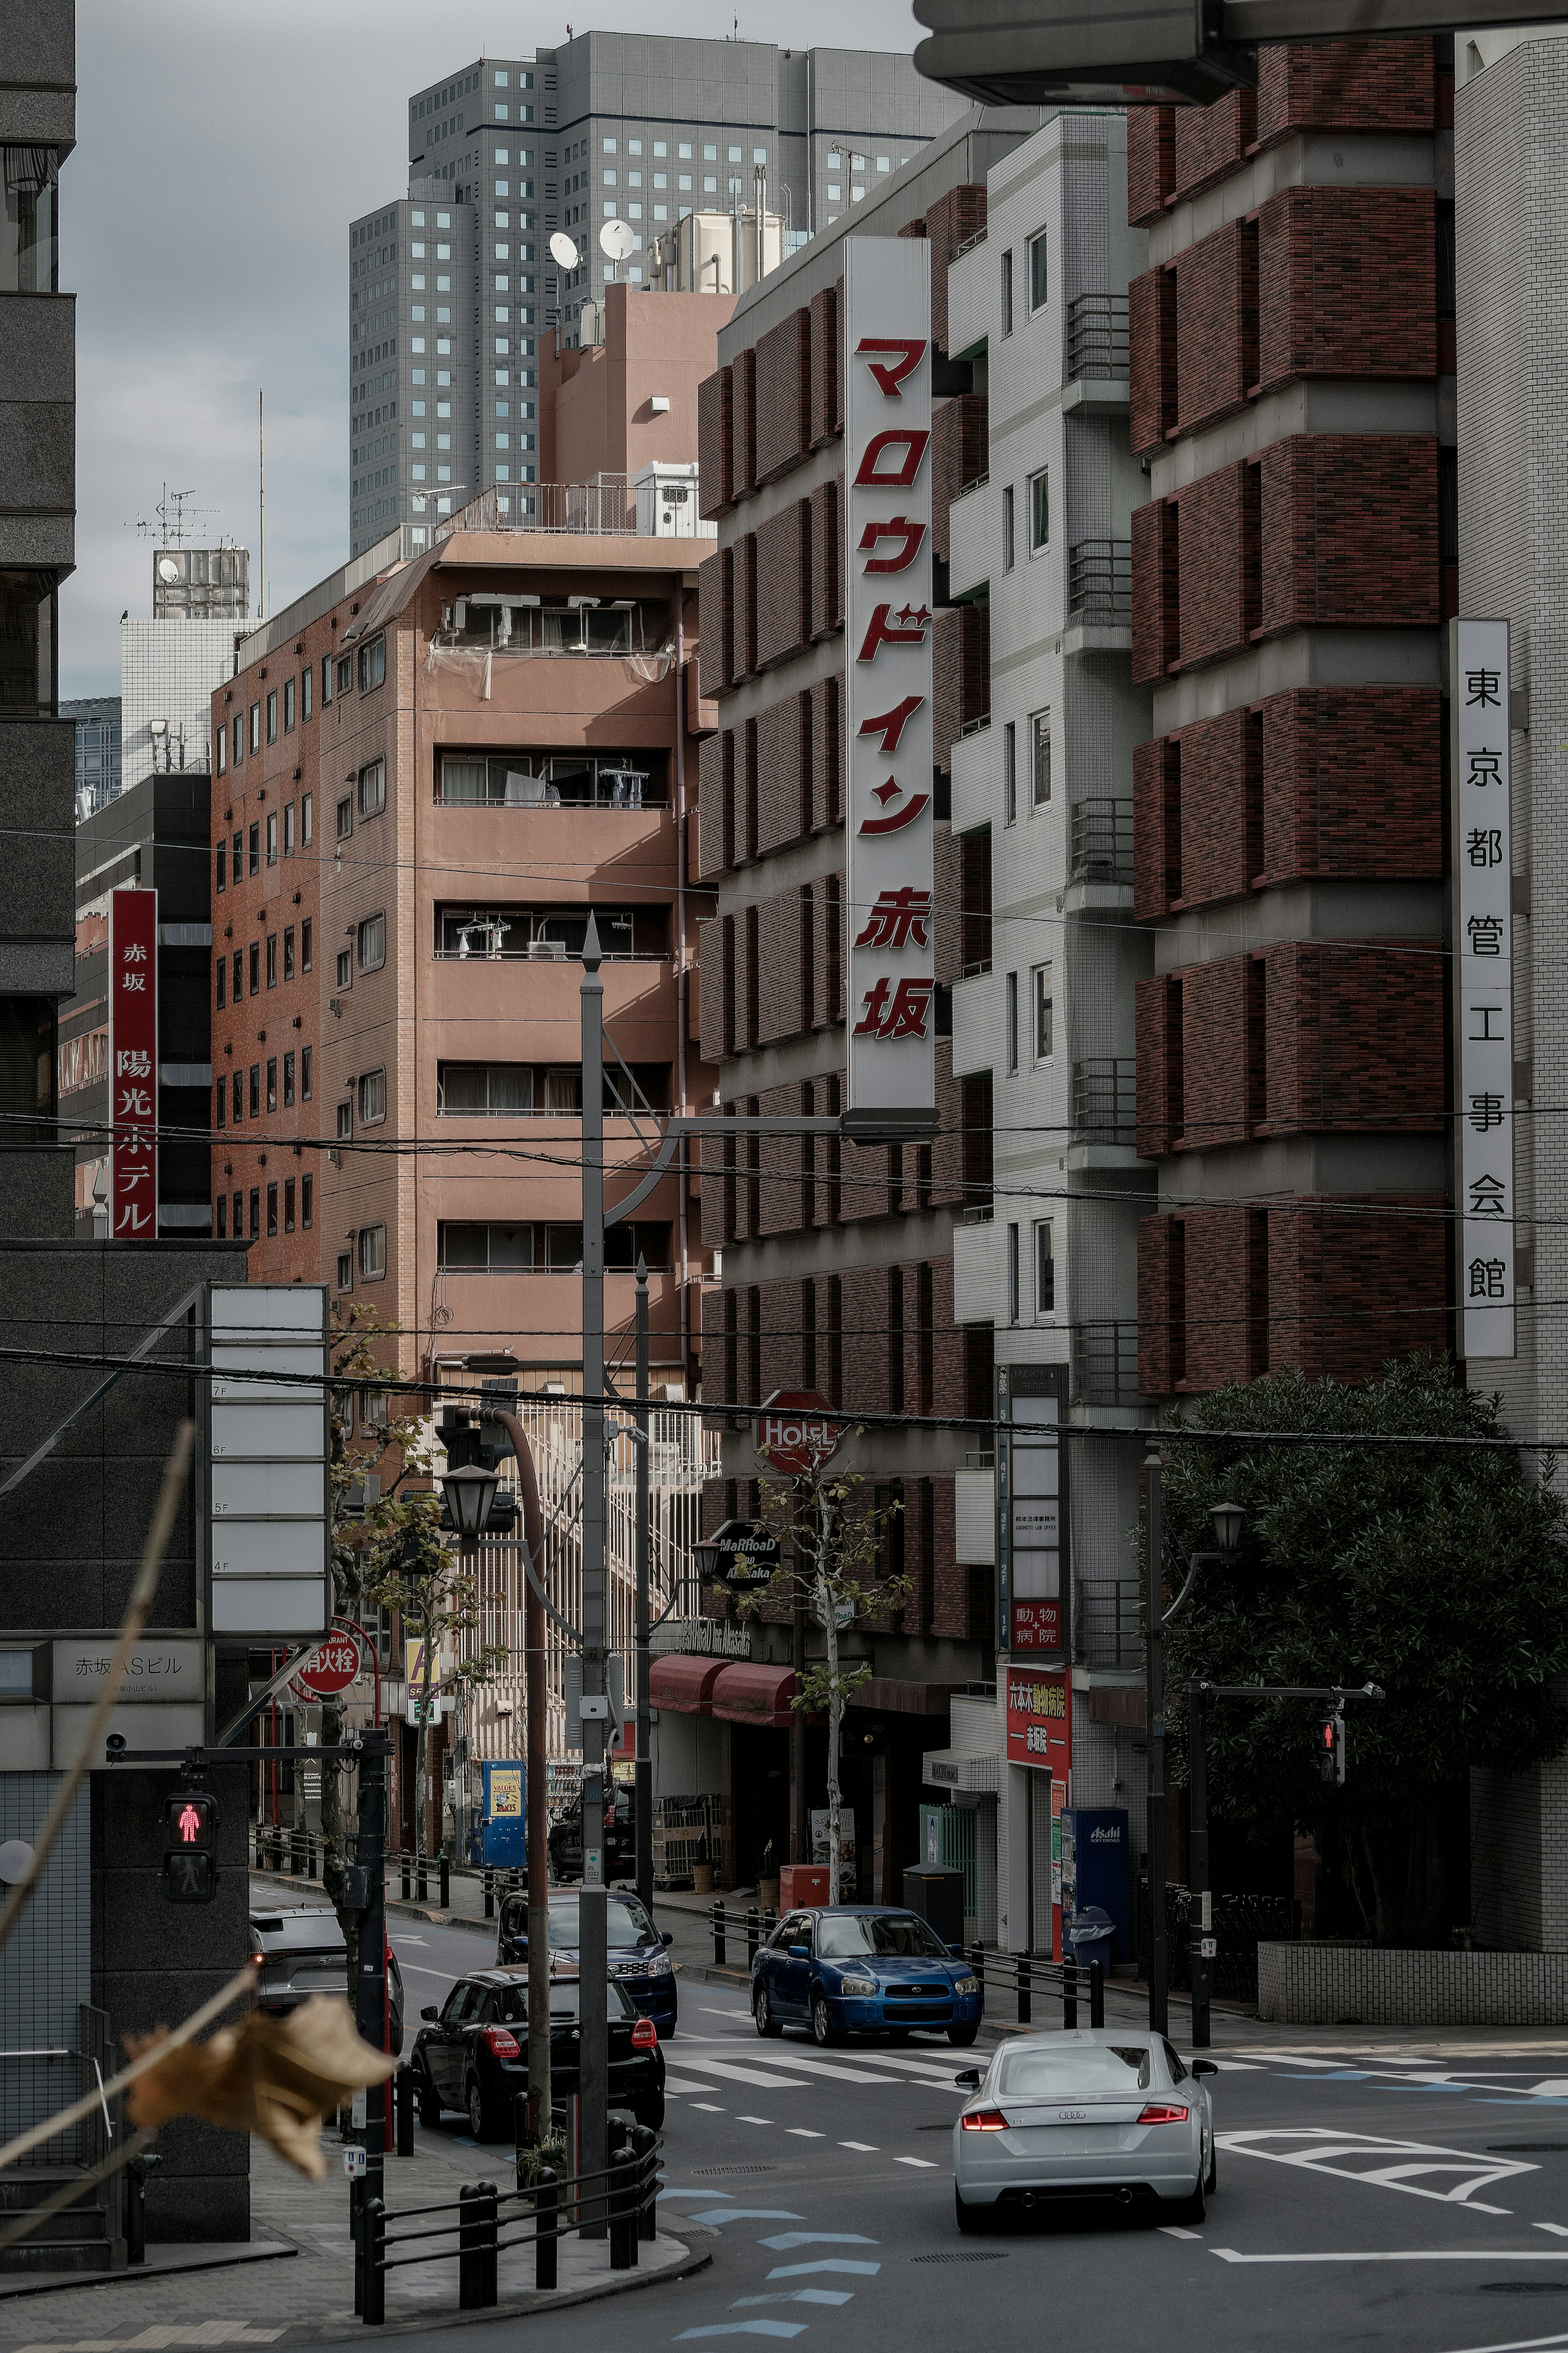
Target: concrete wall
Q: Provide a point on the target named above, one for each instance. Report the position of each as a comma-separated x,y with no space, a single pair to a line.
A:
1366,1985
595,412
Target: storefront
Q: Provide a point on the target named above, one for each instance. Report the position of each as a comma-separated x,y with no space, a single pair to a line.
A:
1037,1732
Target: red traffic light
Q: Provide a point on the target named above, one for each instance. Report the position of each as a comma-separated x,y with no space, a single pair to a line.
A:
1326,1735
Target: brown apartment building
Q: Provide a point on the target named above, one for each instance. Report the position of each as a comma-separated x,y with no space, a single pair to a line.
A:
1292,401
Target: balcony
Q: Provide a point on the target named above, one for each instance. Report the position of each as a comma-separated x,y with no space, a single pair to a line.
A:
971,298
1099,582
976,1022
1096,340
1104,1360
1104,1104
971,529
975,1518
979,1281
1102,840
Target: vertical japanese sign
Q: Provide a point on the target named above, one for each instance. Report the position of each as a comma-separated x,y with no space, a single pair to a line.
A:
1032,1590
133,1065
890,817
1483,970
1040,1719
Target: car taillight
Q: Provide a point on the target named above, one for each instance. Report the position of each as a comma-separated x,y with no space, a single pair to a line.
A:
644,2035
1159,2113
257,1960
499,2041
983,2120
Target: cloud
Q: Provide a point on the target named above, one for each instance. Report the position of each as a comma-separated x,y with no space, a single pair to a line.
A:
222,149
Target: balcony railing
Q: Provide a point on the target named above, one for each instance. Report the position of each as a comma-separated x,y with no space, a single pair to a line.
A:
1100,581
1102,840
1104,1364
1104,1106
969,243
1097,336
1110,1628
607,508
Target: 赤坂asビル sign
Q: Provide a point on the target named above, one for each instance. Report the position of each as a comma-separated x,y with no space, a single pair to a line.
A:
1039,1718
890,817
133,1065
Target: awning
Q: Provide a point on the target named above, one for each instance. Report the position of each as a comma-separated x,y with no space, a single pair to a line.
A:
683,1683
756,1694
962,1775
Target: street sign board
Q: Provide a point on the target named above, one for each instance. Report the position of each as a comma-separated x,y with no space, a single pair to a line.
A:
333,1667
748,1555
797,1431
1039,1718
268,1441
133,1065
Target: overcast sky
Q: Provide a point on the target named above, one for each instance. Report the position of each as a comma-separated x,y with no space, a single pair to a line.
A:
222,151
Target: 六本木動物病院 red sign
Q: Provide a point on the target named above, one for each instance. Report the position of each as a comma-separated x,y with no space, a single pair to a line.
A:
1039,1718
133,1065
890,816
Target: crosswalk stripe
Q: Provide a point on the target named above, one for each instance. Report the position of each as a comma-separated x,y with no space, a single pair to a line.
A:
796,2063
926,2164
681,2084
733,2074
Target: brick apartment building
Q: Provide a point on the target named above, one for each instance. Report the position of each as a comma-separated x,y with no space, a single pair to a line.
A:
1292,401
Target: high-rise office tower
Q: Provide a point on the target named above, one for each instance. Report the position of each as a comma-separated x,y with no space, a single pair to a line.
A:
450,285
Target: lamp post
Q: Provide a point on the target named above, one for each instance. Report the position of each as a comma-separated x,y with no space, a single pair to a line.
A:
1226,1520
470,1493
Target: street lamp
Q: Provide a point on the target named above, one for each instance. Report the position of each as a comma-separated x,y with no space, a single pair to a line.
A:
1227,1519
470,1493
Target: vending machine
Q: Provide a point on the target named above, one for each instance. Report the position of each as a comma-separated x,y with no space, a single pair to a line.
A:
503,1821
1095,1851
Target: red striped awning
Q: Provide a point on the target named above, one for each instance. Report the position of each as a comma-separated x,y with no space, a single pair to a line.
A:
683,1683
756,1694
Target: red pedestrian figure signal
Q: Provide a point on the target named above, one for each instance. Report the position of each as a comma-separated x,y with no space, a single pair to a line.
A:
190,1823
1331,1749
190,1847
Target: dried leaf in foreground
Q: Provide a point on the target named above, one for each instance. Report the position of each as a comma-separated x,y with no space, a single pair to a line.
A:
276,2077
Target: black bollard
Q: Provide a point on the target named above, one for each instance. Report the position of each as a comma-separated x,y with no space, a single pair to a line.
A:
718,1917
546,2229
373,2251
1025,2004
446,1885
402,2105
470,2248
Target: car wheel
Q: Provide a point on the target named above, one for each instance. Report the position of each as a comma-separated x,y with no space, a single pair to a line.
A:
960,2037
1193,2209
649,2111
970,2220
762,2011
429,2101
823,2031
481,2122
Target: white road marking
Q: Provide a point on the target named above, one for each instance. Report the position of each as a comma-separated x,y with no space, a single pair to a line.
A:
866,2147
753,2120
708,2010
402,1937
1239,2067
796,2061
733,2074
1406,2255
708,2107
1558,2230
1521,2344
679,2083
415,1970
1315,2150
1173,2230
804,2132
926,2164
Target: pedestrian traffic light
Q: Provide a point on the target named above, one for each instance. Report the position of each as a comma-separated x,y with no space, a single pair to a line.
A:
1331,1749
190,1847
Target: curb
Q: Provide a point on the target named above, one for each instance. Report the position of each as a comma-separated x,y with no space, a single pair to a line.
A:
258,2252
331,2331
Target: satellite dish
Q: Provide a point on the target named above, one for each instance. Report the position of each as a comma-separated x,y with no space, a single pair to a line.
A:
617,240
564,252
167,568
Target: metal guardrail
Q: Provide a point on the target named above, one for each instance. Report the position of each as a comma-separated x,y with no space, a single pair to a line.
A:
1098,342
1102,840
1104,1363
1100,581
1103,1104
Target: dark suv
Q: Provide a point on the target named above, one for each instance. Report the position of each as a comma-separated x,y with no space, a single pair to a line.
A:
565,1841
302,1951
472,2054
639,1957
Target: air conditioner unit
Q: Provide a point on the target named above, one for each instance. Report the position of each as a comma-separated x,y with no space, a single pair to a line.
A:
547,951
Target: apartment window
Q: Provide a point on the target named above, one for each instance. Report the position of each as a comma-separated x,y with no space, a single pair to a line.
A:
221,741
288,1081
289,830
477,1089
1011,1020
307,681
236,852
223,1217
371,664
307,945
345,968
289,952
307,823
326,680
288,702
239,1106
1039,510
271,1212
1012,1275
1045,1013
1039,757
272,714
220,1101
256,1213
222,976
345,817
239,1216
238,973
306,1078
1007,557
371,944
272,1082
1007,294
345,1270
289,1191
372,788
371,1253
372,1097
272,838
253,846
307,1202
345,672
1010,773
1045,1270
255,967
256,726
238,740
1040,272
345,1122
256,1090
271,959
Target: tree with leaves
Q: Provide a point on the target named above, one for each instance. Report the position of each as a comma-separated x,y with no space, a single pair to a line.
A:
1440,1573
833,1539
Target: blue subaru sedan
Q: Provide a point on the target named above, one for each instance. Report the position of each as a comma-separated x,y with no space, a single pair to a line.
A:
862,1969
639,1954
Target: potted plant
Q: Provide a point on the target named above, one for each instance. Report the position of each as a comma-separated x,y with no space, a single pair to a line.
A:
703,1868
768,1880
533,2157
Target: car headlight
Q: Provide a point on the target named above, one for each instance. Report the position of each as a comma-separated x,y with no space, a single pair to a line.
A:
967,1985
659,1965
858,1985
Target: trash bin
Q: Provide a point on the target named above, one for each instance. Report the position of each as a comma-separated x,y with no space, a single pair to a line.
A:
1089,1933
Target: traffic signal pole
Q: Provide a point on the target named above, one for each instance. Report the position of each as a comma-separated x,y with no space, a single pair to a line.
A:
643,1818
592,1988
1154,1719
370,1973
1199,1929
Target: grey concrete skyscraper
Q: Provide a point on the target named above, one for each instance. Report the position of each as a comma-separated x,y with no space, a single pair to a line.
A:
450,285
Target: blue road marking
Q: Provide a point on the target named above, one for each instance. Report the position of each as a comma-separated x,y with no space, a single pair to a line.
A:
825,2263
743,2329
801,2295
786,2239
749,2214
666,2192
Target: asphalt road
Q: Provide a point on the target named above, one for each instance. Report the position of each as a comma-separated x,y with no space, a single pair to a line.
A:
1414,2204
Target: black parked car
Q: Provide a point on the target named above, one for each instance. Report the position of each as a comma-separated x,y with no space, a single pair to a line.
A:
472,2054
302,1951
565,1841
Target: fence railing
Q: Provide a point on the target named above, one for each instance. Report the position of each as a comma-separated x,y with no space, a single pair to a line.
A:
1097,336
1102,840
1099,580
1104,1098
1104,1359
1241,1923
607,508
1108,1626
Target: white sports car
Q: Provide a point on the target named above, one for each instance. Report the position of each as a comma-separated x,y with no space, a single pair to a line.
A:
1106,2113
